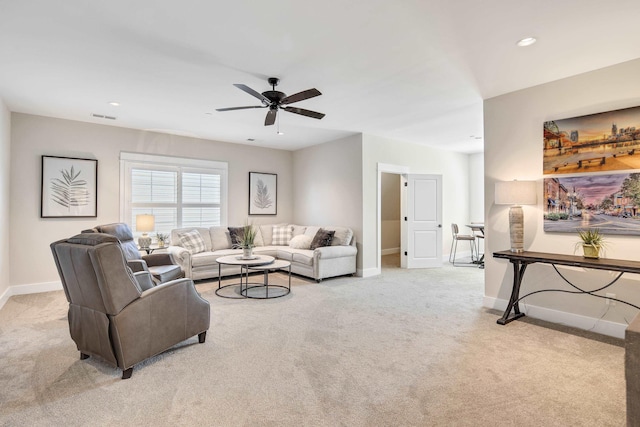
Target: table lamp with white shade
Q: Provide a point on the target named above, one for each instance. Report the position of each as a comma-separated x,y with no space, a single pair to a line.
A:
145,223
516,194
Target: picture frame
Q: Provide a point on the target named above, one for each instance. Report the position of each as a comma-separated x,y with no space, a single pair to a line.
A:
595,143
69,187
608,202
263,193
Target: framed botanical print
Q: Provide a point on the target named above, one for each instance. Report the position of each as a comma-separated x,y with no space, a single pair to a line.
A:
69,187
263,193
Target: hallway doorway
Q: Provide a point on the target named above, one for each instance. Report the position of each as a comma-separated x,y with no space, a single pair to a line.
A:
390,226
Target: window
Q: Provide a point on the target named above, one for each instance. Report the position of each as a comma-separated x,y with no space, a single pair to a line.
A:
179,192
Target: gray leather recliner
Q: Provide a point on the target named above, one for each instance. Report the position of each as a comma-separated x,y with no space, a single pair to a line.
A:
161,266
110,316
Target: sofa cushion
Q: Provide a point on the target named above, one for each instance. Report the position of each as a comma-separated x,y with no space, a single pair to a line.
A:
300,241
205,258
311,231
302,256
192,241
322,238
258,241
266,231
298,229
342,236
220,238
281,235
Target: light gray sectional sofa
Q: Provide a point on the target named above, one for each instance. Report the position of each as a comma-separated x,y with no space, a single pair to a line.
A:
336,260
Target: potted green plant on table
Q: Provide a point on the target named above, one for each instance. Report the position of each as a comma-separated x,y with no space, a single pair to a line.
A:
162,239
247,241
592,242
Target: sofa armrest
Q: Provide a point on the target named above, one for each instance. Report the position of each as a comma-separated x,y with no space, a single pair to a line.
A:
182,257
341,251
153,260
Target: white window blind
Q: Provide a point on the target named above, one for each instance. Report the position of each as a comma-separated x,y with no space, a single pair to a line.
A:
179,192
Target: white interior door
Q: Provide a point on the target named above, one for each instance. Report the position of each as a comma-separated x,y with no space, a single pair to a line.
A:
424,221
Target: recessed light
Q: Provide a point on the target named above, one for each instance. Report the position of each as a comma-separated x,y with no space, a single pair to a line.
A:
280,133
250,139
209,114
114,104
527,41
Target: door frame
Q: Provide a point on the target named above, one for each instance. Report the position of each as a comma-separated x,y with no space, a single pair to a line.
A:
403,171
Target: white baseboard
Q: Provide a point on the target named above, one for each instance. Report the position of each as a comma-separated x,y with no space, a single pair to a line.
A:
32,288
593,324
390,251
368,272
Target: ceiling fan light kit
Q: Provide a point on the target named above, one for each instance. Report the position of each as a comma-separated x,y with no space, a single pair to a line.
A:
275,100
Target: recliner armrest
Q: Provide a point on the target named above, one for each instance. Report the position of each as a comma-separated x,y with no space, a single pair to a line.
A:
144,279
159,259
137,265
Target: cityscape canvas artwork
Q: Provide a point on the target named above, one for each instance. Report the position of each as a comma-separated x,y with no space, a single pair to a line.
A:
608,202
600,142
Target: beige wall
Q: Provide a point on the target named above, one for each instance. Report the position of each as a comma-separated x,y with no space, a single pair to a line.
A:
454,168
513,150
327,186
5,157
33,136
390,212
476,187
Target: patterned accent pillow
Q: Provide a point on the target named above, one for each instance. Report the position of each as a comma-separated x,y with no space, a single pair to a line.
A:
192,241
236,234
281,235
322,238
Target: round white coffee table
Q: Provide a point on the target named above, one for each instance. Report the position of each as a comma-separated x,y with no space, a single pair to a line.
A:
244,265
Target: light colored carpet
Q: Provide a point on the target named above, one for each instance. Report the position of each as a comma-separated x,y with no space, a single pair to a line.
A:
407,348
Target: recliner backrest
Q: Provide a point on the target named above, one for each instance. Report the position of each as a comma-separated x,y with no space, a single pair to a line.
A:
94,272
124,234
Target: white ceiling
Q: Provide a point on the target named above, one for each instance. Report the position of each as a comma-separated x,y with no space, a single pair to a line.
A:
411,70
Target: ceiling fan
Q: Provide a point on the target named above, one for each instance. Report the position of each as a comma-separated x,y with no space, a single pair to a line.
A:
275,100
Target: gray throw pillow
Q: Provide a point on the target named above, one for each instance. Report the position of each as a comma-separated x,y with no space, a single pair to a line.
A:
322,238
237,234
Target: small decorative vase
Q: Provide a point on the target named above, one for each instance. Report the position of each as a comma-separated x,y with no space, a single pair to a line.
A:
591,252
247,253
161,243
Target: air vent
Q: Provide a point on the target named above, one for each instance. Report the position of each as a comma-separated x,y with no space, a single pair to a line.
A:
102,116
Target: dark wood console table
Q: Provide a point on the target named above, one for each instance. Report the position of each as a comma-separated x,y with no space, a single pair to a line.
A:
521,260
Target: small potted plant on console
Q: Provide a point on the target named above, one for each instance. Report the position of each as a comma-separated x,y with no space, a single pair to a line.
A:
592,242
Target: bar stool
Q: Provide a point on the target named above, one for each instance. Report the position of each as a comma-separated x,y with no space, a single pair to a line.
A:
454,243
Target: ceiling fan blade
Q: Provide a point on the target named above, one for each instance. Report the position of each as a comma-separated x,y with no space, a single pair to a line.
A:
303,112
240,108
271,117
301,96
252,92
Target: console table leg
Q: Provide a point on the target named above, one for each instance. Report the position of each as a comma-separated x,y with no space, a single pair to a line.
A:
518,273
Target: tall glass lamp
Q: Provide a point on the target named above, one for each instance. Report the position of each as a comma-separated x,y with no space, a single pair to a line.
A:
145,223
516,194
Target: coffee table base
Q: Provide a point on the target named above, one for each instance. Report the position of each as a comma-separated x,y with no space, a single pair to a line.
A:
245,285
